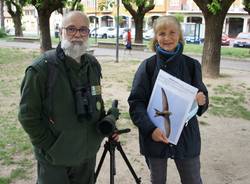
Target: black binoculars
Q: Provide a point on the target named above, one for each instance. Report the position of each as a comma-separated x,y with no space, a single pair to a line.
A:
83,101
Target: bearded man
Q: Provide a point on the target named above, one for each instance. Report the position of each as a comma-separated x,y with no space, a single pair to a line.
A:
60,105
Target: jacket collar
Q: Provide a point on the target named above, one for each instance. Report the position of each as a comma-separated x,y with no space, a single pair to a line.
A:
164,57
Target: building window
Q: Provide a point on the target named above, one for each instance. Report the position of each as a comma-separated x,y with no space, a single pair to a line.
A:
159,2
174,2
26,12
32,12
91,3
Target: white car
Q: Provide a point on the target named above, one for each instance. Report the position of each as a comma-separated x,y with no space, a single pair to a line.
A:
102,32
112,34
92,31
149,34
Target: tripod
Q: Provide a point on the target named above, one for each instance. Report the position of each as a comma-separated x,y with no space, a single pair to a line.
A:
110,146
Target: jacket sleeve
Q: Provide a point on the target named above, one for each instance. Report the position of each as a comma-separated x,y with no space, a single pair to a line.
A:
30,110
198,83
138,101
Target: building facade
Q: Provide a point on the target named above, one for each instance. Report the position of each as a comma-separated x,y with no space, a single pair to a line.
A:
237,20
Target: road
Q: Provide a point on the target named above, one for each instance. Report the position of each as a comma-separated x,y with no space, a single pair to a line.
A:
241,65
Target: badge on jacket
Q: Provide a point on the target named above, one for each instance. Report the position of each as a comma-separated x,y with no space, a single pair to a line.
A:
96,90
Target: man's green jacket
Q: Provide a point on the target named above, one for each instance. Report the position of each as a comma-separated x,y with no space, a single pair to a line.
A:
61,137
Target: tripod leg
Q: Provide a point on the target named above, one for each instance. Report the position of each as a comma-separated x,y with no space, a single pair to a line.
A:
101,161
119,147
112,165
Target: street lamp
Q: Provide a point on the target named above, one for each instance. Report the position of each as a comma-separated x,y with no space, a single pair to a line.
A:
95,20
117,32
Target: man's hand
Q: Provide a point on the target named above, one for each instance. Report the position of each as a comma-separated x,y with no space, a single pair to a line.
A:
115,137
159,136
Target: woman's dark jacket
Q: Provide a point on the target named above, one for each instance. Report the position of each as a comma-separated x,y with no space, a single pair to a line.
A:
186,69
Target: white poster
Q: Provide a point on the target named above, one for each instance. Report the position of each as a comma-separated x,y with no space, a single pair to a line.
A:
172,104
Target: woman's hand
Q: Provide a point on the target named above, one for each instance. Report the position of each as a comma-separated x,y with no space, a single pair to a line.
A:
201,98
159,136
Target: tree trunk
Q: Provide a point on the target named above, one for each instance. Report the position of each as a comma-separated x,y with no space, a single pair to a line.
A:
2,15
17,24
45,39
138,29
212,46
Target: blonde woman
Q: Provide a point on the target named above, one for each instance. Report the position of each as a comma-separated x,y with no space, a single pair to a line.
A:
154,145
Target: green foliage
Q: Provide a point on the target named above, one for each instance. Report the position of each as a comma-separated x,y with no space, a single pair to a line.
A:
105,5
40,4
179,17
144,3
74,5
140,2
2,33
120,19
215,7
80,7
246,3
21,3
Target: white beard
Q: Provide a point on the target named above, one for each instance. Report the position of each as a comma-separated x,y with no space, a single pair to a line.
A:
74,49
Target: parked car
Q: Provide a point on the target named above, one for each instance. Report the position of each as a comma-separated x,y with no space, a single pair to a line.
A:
10,31
225,40
112,34
92,30
242,40
102,32
149,34
193,39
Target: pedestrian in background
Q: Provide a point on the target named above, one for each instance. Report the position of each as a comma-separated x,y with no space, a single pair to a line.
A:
127,40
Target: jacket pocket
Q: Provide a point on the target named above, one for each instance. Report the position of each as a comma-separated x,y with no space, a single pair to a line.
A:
155,149
69,148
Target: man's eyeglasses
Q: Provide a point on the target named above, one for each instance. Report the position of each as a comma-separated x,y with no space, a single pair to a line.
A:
71,30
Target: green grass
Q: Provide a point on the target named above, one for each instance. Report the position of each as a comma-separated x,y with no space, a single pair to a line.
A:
15,55
228,52
235,52
19,173
230,101
14,143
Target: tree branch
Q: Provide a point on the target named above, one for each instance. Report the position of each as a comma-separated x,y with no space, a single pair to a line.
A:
10,11
129,7
149,7
74,3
